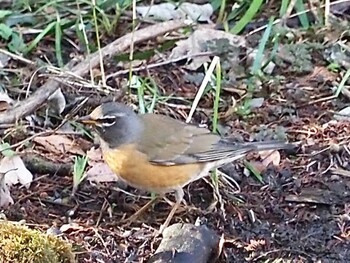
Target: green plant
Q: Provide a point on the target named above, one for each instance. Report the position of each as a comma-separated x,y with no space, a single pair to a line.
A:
14,42
5,149
217,87
334,67
247,17
255,172
78,171
300,8
141,85
342,83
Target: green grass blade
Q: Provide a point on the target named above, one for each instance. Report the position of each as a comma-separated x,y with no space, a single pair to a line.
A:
141,98
342,83
78,170
58,41
284,6
155,97
248,16
139,84
221,11
256,173
259,56
299,7
40,36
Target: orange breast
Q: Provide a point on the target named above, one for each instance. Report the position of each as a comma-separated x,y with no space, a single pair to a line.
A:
133,167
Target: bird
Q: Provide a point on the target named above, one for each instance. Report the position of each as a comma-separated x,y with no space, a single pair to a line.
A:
160,154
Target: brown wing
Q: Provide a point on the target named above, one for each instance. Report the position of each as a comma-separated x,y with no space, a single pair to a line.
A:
174,142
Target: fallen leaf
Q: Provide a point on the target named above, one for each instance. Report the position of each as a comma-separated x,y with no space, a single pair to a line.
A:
12,172
100,172
5,195
15,171
94,155
256,103
258,166
4,60
321,72
57,101
70,227
271,156
5,101
207,39
343,115
59,144
169,11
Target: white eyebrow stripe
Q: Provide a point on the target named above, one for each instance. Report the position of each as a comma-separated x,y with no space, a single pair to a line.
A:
107,117
118,114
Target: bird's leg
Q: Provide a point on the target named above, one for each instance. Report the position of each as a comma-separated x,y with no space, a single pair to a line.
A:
143,209
179,195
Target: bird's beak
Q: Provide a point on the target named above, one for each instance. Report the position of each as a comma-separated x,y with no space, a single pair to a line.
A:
87,120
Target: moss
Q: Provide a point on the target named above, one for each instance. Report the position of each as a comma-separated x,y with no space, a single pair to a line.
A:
18,243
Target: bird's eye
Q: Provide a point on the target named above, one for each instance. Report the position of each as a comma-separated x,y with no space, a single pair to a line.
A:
107,121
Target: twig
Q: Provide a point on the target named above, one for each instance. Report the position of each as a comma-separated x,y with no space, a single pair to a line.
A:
16,57
158,64
332,97
39,165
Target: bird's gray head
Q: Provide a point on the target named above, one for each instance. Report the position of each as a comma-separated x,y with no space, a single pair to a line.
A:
115,123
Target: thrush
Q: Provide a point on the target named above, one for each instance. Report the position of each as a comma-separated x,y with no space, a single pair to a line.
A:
159,154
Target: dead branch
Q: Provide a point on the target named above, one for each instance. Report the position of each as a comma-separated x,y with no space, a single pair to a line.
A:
38,165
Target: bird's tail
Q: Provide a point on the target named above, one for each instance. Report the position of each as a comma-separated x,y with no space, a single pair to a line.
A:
264,145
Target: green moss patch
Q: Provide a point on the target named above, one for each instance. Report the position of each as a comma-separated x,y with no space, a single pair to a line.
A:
18,243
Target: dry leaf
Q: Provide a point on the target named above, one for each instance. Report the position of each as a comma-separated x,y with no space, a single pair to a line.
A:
94,155
343,115
4,60
197,43
5,101
100,172
271,156
15,171
71,226
258,166
57,101
59,144
256,103
12,171
5,195
169,11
